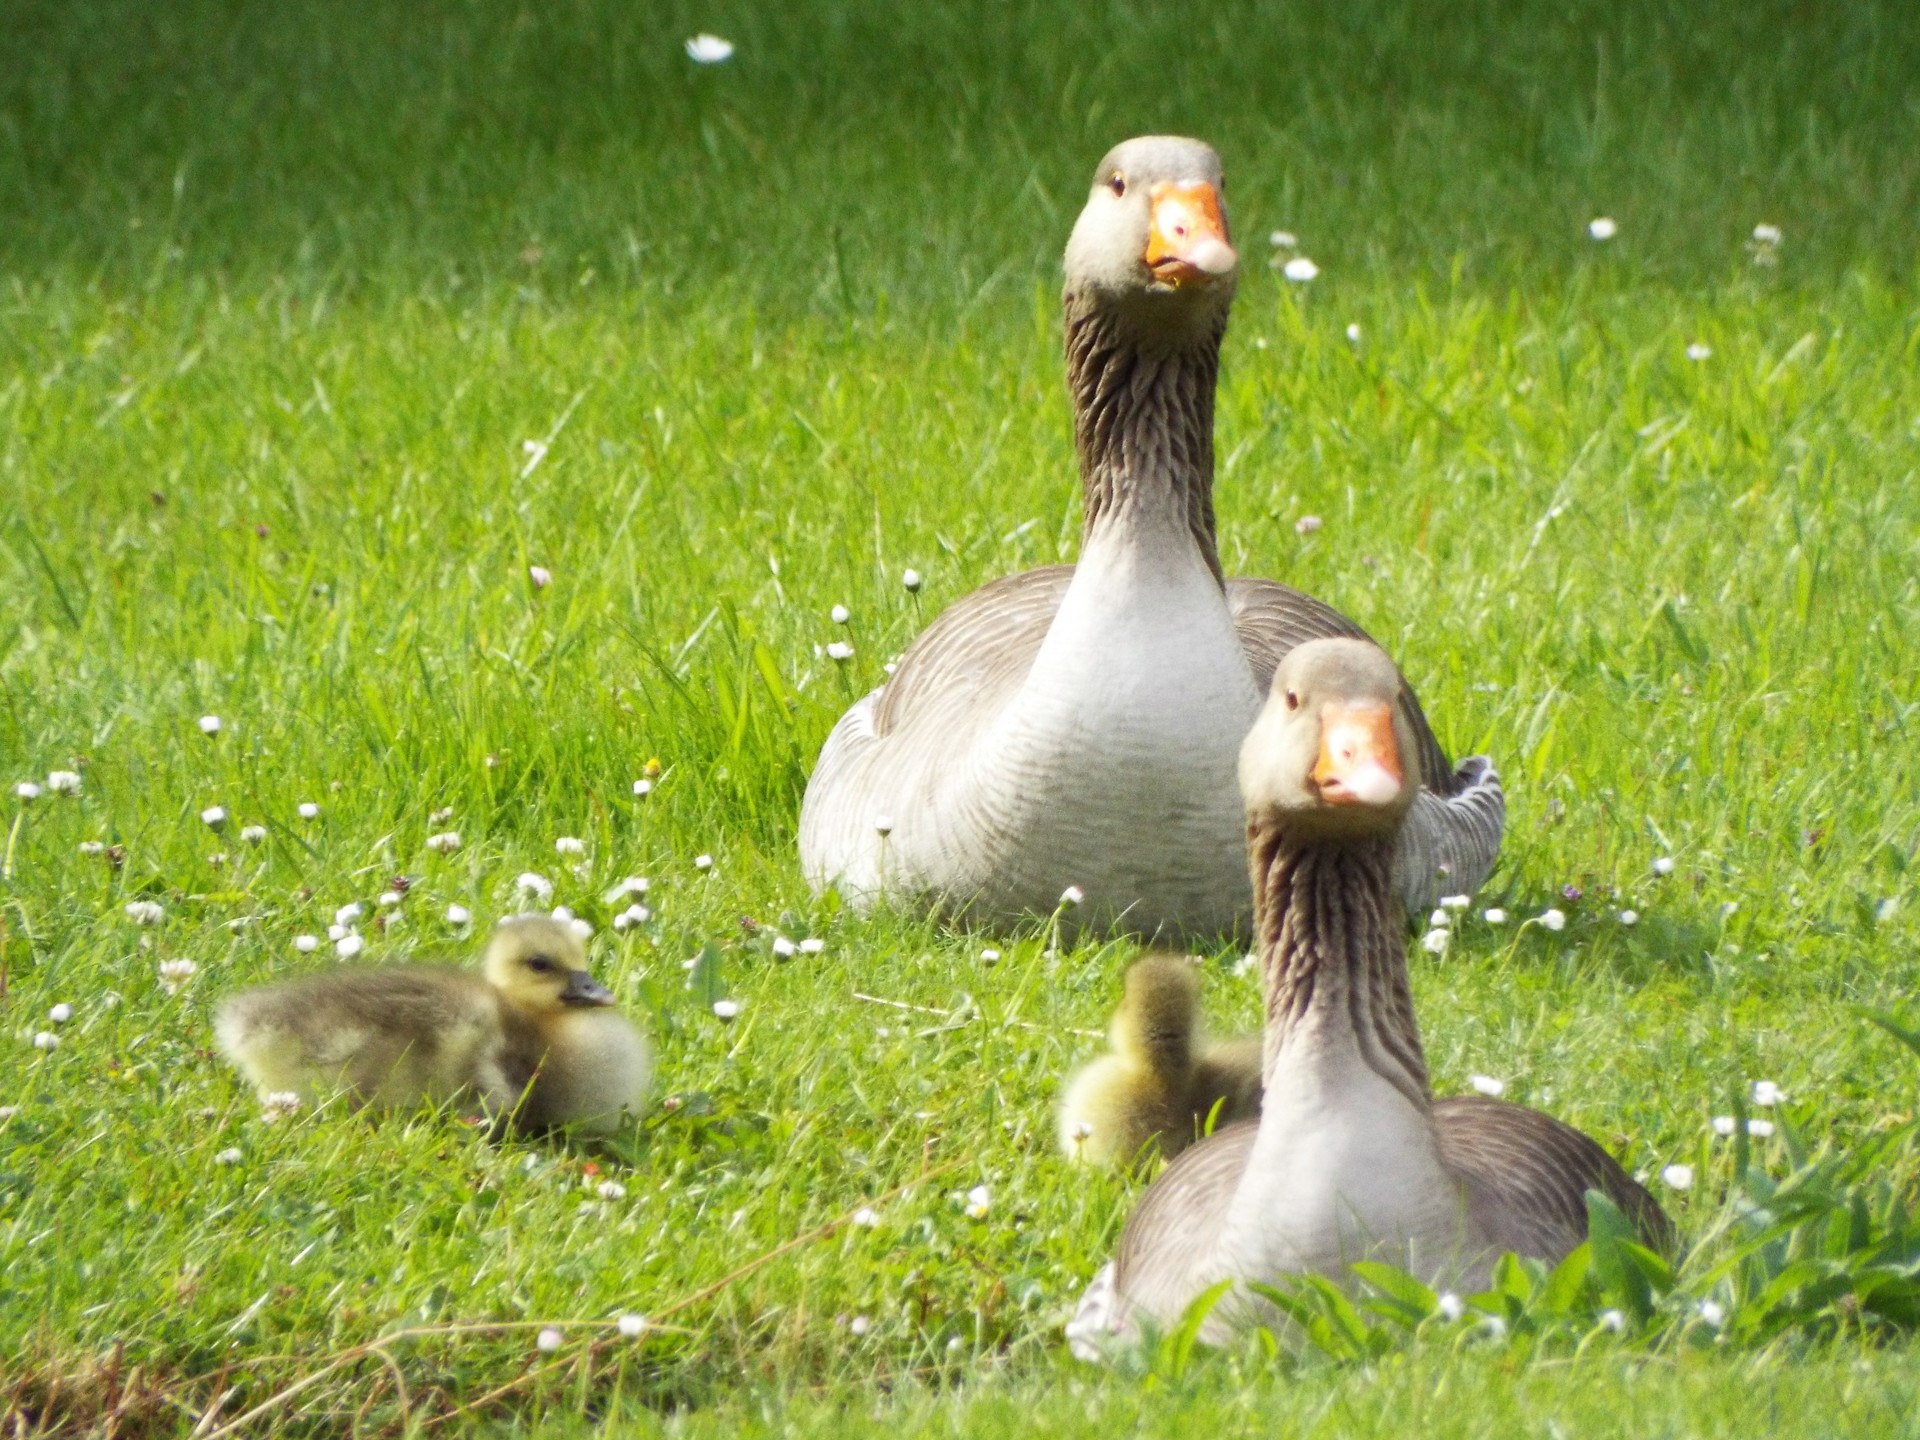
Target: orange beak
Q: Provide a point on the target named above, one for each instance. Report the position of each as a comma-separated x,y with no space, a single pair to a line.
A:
1187,244
1359,758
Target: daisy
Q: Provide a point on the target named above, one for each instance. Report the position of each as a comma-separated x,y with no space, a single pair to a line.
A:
253,834
632,885
458,915
306,944
27,790
176,973
632,1327
1723,1125
548,1340
840,650
703,862
1760,1129
1766,234
348,946
1453,902
1765,1092
911,579
1353,332
214,816
582,929
860,1325
307,810
535,884
1300,270
728,1010
1698,352
812,945
1680,1177
445,843
1629,917
1602,227
705,49
64,782
145,912
1613,1320
1488,1084
209,724
441,816
1554,920
1434,942
610,1190
45,1040
61,1013
1071,897
1450,1305
990,957
1713,1312
387,899
866,1217
228,1157
1439,920
348,913
1307,524
539,574
1283,240
783,948
979,1202
278,1105
93,847
643,788
1494,915
569,845
883,825
840,615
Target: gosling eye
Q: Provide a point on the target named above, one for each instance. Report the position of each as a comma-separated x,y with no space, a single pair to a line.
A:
1293,701
1117,183
539,964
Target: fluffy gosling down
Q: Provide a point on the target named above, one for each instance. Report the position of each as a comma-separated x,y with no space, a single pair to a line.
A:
1158,1089
531,1036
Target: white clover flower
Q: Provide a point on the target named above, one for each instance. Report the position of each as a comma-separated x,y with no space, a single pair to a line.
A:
1602,227
1494,1326
548,1340
1439,920
64,782
45,1040
866,1217
93,847
1613,1320
562,914
277,1105
445,843
1450,1305
1435,941
176,973
990,957
348,913
703,862
231,1156
1300,270
1680,1177
1307,524
1697,352
1764,234
632,885
1082,1132
839,650
890,667
1071,897
441,816
214,816
337,932
533,883
458,915
1760,1129
253,834
1283,240
348,946
387,899
783,948
911,579
1723,1125
209,724
1554,920
632,1327
840,615
812,945
569,845
61,1013
1713,1312
979,1202
1766,1092
1494,915
1453,902
27,790
539,574
582,929
306,944
307,810
1488,1084
1663,865
643,788
728,1010
145,912
1629,917
1353,332
705,49
610,1190
860,1325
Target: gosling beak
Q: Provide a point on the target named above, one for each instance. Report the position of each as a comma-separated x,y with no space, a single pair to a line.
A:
1187,243
1359,758
583,989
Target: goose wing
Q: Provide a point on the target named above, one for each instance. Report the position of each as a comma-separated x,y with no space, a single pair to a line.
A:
1527,1176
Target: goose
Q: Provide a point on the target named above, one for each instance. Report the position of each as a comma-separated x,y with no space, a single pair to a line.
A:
1077,725
532,1036
1352,1158
1162,1084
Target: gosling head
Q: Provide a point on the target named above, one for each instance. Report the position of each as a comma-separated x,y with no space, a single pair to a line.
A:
1153,237
1331,756
538,963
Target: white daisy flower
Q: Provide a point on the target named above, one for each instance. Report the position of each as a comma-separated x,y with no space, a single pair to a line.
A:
1450,1305
230,1156
1602,227
582,929
840,615
860,1325
812,945
990,957
1554,920
61,1013
1307,524
728,1010
145,912
533,883
1697,352
1439,920
458,915
306,944
610,1190
337,932
64,782
348,946
307,810
1680,1177
253,834
1713,1312
445,843
883,825
387,899
209,724
1629,917
866,1217
176,973
1434,942
45,1040
839,650
548,1340
632,1327
93,847
1453,902
569,845
1766,1092
1488,1084
703,862
1613,1320
1663,865
540,576
441,816
348,913
214,817
1723,1125
705,49
1071,897
979,1202
783,948
1300,270
1494,915
1283,240
1353,332
1760,1129
643,788
1764,234
911,579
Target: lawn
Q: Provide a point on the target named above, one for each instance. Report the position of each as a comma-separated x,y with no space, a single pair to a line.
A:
321,324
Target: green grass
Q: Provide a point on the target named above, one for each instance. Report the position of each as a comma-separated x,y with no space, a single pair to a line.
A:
284,291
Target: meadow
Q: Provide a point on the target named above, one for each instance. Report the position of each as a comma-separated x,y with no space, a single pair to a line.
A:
323,326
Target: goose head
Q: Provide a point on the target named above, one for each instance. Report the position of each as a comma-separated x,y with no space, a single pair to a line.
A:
1152,241
1332,755
538,963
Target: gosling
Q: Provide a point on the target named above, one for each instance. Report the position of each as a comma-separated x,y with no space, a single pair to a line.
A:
530,1036
1154,1094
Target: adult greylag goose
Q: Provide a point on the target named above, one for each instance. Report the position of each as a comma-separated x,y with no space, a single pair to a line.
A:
1163,1081
531,1038
1352,1158
1077,725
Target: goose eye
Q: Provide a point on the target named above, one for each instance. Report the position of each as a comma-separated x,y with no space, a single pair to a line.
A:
1293,701
1117,183
539,964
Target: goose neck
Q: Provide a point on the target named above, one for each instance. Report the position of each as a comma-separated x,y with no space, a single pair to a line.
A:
1333,956
1143,424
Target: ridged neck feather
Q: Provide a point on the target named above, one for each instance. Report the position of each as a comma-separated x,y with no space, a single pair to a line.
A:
1143,416
1332,951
